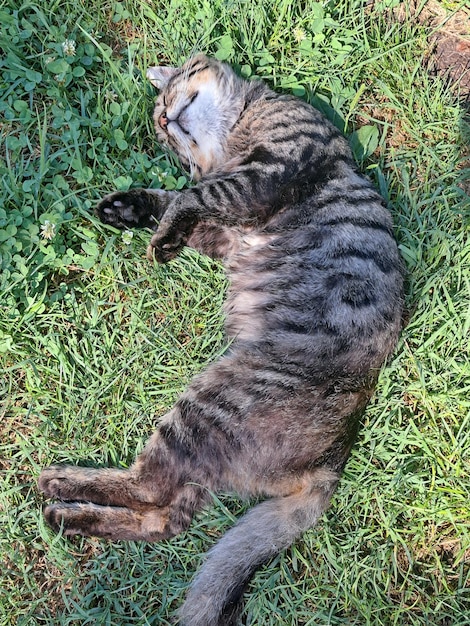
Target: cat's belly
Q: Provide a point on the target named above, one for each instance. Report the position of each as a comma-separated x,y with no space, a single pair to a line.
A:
244,310
247,298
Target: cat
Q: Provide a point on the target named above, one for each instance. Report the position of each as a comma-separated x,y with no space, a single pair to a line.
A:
313,310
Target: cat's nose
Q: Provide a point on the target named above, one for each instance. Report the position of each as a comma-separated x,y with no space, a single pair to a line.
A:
163,120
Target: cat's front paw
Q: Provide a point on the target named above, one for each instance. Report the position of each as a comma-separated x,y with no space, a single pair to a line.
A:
171,236
164,248
136,208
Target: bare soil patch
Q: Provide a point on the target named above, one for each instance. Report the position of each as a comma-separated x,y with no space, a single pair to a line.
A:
449,40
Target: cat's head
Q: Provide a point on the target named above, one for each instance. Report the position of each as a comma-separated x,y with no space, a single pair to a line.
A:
196,108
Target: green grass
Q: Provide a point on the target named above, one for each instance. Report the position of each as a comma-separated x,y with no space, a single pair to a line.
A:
95,343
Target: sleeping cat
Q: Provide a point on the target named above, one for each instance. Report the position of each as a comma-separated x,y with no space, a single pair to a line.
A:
313,310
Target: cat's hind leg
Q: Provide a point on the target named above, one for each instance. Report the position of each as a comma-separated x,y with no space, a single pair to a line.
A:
155,499
109,522
85,484
138,523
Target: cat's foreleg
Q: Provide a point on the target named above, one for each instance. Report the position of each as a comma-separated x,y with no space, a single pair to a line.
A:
136,208
228,202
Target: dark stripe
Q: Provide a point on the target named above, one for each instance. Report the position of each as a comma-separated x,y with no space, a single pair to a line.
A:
292,136
262,155
180,446
195,70
198,193
184,75
333,199
214,191
360,299
278,125
239,183
216,408
307,152
227,188
357,221
277,377
385,265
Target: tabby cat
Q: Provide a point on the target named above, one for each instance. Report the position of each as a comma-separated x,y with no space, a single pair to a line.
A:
313,310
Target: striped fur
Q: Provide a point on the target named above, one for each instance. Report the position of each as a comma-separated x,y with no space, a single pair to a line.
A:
313,310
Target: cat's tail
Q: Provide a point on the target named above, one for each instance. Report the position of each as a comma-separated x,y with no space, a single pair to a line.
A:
215,597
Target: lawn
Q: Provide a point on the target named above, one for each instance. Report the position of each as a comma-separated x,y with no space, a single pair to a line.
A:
96,343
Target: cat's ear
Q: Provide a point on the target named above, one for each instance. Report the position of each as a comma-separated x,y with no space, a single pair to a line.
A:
160,75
